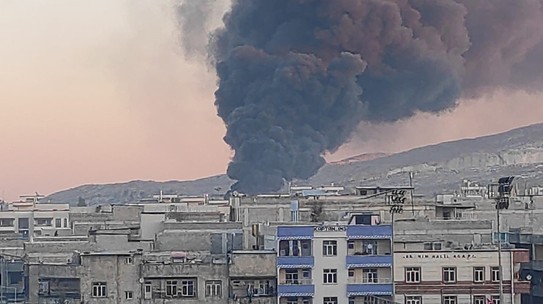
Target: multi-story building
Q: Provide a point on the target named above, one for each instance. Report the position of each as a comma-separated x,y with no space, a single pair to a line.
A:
252,276
335,263
533,270
454,261
29,218
460,276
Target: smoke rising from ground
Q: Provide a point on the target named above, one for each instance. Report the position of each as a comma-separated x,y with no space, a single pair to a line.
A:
296,77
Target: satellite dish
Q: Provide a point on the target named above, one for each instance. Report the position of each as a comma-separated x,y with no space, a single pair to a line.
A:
140,280
529,277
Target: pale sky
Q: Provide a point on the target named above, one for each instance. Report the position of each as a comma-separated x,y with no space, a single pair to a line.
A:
99,92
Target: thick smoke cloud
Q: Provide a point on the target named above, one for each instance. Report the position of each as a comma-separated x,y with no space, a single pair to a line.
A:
296,77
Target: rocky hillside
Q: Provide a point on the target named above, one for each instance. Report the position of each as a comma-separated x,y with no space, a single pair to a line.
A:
441,167
437,168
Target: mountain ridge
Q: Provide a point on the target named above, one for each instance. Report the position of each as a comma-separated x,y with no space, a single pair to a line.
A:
437,168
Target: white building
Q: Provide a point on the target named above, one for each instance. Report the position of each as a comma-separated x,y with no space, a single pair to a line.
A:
335,263
29,218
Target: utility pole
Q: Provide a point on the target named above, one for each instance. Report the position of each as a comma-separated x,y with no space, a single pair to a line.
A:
502,202
396,200
499,252
2,279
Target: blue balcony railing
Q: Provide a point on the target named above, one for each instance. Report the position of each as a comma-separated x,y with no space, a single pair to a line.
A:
296,290
369,232
357,261
381,289
295,261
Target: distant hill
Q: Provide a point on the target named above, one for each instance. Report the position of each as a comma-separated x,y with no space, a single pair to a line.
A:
359,158
437,168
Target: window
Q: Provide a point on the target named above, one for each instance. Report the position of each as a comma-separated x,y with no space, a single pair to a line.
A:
291,276
504,237
449,274
44,222
261,288
351,273
369,275
307,301
432,246
329,300
171,288
99,290
450,300
412,275
292,300
6,222
58,223
370,300
129,260
214,288
330,276
350,244
486,299
128,295
329,248
495,273
479,300
413,300
478,274
147,291
295,248
187,288
65,223
306,274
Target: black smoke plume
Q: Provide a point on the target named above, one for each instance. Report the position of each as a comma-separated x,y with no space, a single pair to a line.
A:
297,76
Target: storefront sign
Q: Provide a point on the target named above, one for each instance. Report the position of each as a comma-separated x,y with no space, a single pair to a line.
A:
330,228
439,256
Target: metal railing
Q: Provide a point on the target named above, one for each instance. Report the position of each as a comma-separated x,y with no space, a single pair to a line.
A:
370,281
296,282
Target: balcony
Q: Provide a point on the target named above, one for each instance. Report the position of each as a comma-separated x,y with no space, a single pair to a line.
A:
358,261
295,262
382,287
295,232
375,232
296,288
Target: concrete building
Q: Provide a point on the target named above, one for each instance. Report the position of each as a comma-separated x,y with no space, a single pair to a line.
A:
170,278
531,271
253,277
459,276
335,263
29,218
454,261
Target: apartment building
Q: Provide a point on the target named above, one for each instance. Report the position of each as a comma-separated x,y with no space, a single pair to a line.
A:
29,218
454,261
459,276
332,263
252,275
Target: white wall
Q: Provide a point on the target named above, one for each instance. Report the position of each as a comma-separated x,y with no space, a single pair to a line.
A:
338,262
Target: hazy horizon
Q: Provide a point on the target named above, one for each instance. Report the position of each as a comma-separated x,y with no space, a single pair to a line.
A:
100,92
